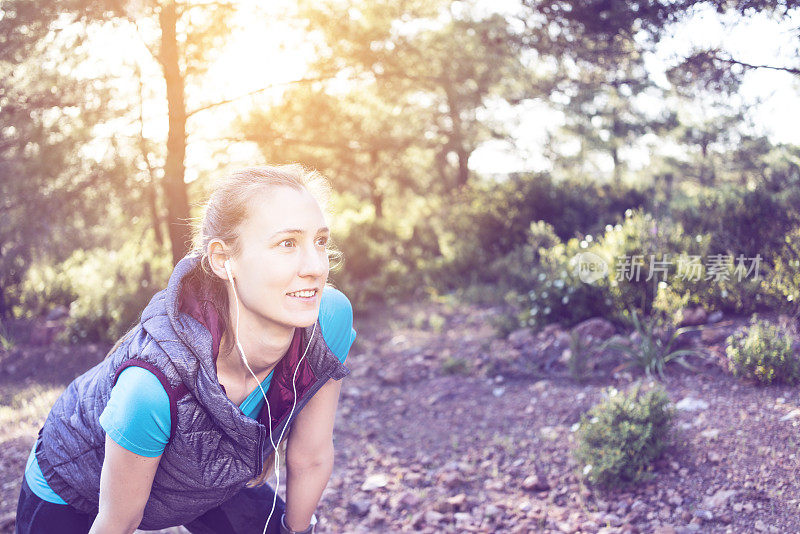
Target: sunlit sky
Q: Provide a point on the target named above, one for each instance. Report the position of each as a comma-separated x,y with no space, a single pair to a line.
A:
264,54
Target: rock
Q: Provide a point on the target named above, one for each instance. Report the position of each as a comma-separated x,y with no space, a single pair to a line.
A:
462,517
689,404
491,511
408,500
56,313
664,529
705,515
534,483
715,317
712,336
710,433
457,501
359,507
391,375
432,517
714,457
791,415
375,481
693,316
719,499
451,479
594,329
521,338
549,433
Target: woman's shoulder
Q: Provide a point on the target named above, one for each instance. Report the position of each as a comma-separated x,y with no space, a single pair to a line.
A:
334,302
336,320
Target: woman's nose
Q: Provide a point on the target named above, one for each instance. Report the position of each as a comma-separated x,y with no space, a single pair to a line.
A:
314,262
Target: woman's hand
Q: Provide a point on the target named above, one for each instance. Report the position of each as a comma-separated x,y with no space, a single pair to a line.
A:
125,484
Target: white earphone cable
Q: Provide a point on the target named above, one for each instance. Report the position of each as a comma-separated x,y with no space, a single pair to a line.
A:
269,414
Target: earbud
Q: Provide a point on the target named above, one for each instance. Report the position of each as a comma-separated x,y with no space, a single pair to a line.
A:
228,270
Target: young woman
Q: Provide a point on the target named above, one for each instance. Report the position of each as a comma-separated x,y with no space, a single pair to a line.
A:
242,351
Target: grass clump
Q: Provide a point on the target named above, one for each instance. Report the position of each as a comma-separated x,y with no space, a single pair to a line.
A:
621,437
652,354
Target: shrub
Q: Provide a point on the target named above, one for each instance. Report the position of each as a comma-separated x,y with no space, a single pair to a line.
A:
738,219
515,270
652,353
490,219
763,352
106,290
621,437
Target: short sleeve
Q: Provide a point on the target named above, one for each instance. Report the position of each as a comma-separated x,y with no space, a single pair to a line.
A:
137,416
336,320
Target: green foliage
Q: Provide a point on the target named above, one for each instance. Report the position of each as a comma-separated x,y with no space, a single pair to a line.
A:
621,437
631,248
763,352
514,270
740,220
493,230
6,342
652,354
106,290
381,264
504,323
453,366
556,292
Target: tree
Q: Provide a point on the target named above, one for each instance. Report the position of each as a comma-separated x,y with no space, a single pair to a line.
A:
50,189
421,73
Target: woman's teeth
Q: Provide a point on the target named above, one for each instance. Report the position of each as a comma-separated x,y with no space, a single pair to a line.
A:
304,294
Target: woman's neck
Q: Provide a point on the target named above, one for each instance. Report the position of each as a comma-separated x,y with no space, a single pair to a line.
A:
263,352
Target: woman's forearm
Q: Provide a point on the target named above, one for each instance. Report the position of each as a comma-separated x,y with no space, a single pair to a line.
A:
304,487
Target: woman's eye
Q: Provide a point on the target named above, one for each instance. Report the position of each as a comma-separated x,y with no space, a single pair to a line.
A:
323,241
287,241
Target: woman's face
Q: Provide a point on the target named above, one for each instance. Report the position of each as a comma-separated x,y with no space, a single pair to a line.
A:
282,251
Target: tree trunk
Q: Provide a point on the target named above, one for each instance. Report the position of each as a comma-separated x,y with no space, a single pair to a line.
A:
174,187
617,169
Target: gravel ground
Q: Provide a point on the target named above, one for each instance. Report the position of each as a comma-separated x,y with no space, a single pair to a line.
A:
444,427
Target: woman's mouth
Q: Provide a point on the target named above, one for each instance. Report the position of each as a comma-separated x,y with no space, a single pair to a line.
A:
305,294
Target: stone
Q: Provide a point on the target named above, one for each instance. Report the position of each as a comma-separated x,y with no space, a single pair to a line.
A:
375,481
689,404
719,499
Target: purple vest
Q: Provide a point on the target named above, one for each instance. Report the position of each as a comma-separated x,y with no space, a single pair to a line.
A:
214,449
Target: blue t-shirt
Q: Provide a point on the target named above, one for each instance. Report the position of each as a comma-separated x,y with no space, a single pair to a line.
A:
137,416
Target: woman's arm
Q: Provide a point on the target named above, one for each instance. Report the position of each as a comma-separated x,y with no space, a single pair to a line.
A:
125,483
309,455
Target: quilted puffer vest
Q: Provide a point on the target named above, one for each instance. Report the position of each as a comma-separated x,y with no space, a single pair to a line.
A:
214,449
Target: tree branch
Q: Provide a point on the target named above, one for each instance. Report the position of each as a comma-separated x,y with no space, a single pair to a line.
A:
732,61
255,92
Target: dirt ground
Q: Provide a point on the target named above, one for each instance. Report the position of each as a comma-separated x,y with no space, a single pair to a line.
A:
445,427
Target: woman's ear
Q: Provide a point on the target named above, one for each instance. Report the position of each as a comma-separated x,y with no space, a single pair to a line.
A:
217,254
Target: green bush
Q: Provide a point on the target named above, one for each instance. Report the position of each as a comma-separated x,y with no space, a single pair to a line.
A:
491,219
379,264
105,290
556,292
621,437
515,270
763,352
738,219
